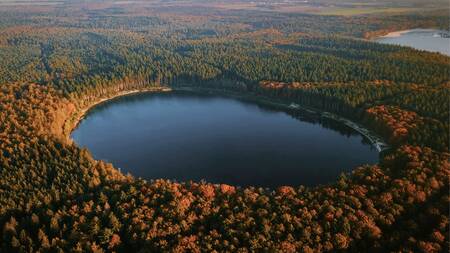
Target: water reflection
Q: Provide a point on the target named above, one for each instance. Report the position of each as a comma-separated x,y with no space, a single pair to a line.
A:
187,136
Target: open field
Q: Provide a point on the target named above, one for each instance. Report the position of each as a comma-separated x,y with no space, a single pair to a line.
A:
362,11
325,7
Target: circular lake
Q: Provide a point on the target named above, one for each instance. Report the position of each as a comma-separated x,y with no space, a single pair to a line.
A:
189,136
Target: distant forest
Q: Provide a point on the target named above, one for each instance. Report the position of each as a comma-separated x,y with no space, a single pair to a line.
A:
59,58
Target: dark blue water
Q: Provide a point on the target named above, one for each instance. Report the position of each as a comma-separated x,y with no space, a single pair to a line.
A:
187,136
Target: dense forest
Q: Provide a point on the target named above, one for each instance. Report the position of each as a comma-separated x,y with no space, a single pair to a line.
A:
55,62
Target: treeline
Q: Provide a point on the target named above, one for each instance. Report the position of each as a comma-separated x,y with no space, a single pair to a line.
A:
55,197
76,59
363,26
387,107
201,22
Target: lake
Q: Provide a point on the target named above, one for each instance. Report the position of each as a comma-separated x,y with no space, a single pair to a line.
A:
422,39
189,136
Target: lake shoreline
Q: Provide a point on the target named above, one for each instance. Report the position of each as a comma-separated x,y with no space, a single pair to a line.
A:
421,39
383,34
376,141
74,120
396,34
77,117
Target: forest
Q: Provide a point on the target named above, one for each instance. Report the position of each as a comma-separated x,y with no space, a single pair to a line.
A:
58,60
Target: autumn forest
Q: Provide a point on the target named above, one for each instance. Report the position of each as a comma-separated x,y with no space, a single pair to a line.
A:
60,58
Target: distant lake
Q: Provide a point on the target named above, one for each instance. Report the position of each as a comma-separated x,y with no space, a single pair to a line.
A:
188,136
422,39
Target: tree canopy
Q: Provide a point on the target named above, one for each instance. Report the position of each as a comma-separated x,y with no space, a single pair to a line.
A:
57,62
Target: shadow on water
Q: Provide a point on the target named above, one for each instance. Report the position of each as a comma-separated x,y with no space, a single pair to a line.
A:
186,136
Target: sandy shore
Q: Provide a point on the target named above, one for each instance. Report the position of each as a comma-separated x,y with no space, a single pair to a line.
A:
400,33
395,34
